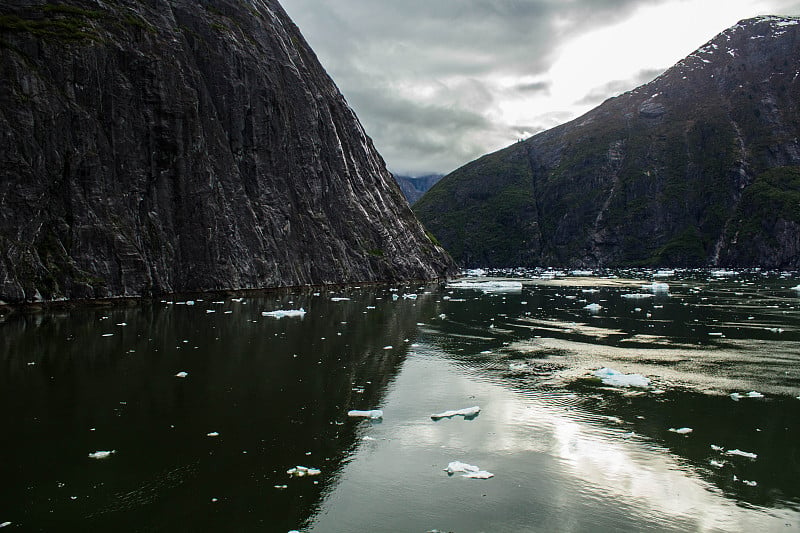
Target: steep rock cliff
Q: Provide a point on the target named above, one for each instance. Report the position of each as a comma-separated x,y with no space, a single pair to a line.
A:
181,145
699,167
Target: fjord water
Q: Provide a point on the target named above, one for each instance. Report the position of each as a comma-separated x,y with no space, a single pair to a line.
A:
210,451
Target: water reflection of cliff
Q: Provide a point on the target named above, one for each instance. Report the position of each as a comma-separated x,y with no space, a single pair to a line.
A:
276,391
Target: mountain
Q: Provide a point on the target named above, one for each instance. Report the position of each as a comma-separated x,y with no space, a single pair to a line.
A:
183,145
701,166
414,187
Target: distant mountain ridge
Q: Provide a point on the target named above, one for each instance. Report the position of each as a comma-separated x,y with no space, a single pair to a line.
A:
699,167
414,187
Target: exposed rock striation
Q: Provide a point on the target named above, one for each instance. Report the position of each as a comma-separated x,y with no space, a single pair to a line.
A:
177,145
699,167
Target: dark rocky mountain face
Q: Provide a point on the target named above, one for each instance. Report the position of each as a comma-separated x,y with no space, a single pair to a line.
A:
414,187
177,145
699,167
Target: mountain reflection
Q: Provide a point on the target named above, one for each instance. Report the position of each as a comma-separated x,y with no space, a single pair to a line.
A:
203,452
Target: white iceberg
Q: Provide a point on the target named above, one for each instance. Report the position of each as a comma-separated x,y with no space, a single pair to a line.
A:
181,374
469,471
339,299
740,453
658,288
302,471
637,296
5,524
373,414
468,413
735,396
611,377
681,431
582,273
285,313
487,286
796,288
593,308
212,434
102,454
664,274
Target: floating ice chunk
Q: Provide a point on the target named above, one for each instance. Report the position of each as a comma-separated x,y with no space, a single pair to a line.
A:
717,448
108,334
487,286
5,524
749,483
735,396
593,308
659,288
285,313
212,434
582,273
339,299
373,414
749,455
302,471
681,431
410,296
210,311
796,288
387,347
469,471
718,464
102,454
637,296
190,302
516,366
181,374
468,413
664,274
611,377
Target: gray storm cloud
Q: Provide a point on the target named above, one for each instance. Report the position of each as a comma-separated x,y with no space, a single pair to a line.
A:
419,73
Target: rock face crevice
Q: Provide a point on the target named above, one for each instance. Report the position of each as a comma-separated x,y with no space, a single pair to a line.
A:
155,147
699,167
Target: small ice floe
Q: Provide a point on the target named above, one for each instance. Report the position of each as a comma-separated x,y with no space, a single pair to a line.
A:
302,471
664,274
411,296
300,313
637,296
5,524
658,288
487,286
190,302
717,464
387,347
717,448
681,431
468,413
613,378
108,334
469,471
593,308
796,288
339,299
181,374
210,311
740,453
748,483
735,396
374,414
582,273
516,366
212,434
102,454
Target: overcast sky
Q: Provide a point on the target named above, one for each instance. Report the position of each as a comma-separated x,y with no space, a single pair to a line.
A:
438,83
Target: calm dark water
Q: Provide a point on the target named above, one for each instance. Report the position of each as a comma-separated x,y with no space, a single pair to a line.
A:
210,451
